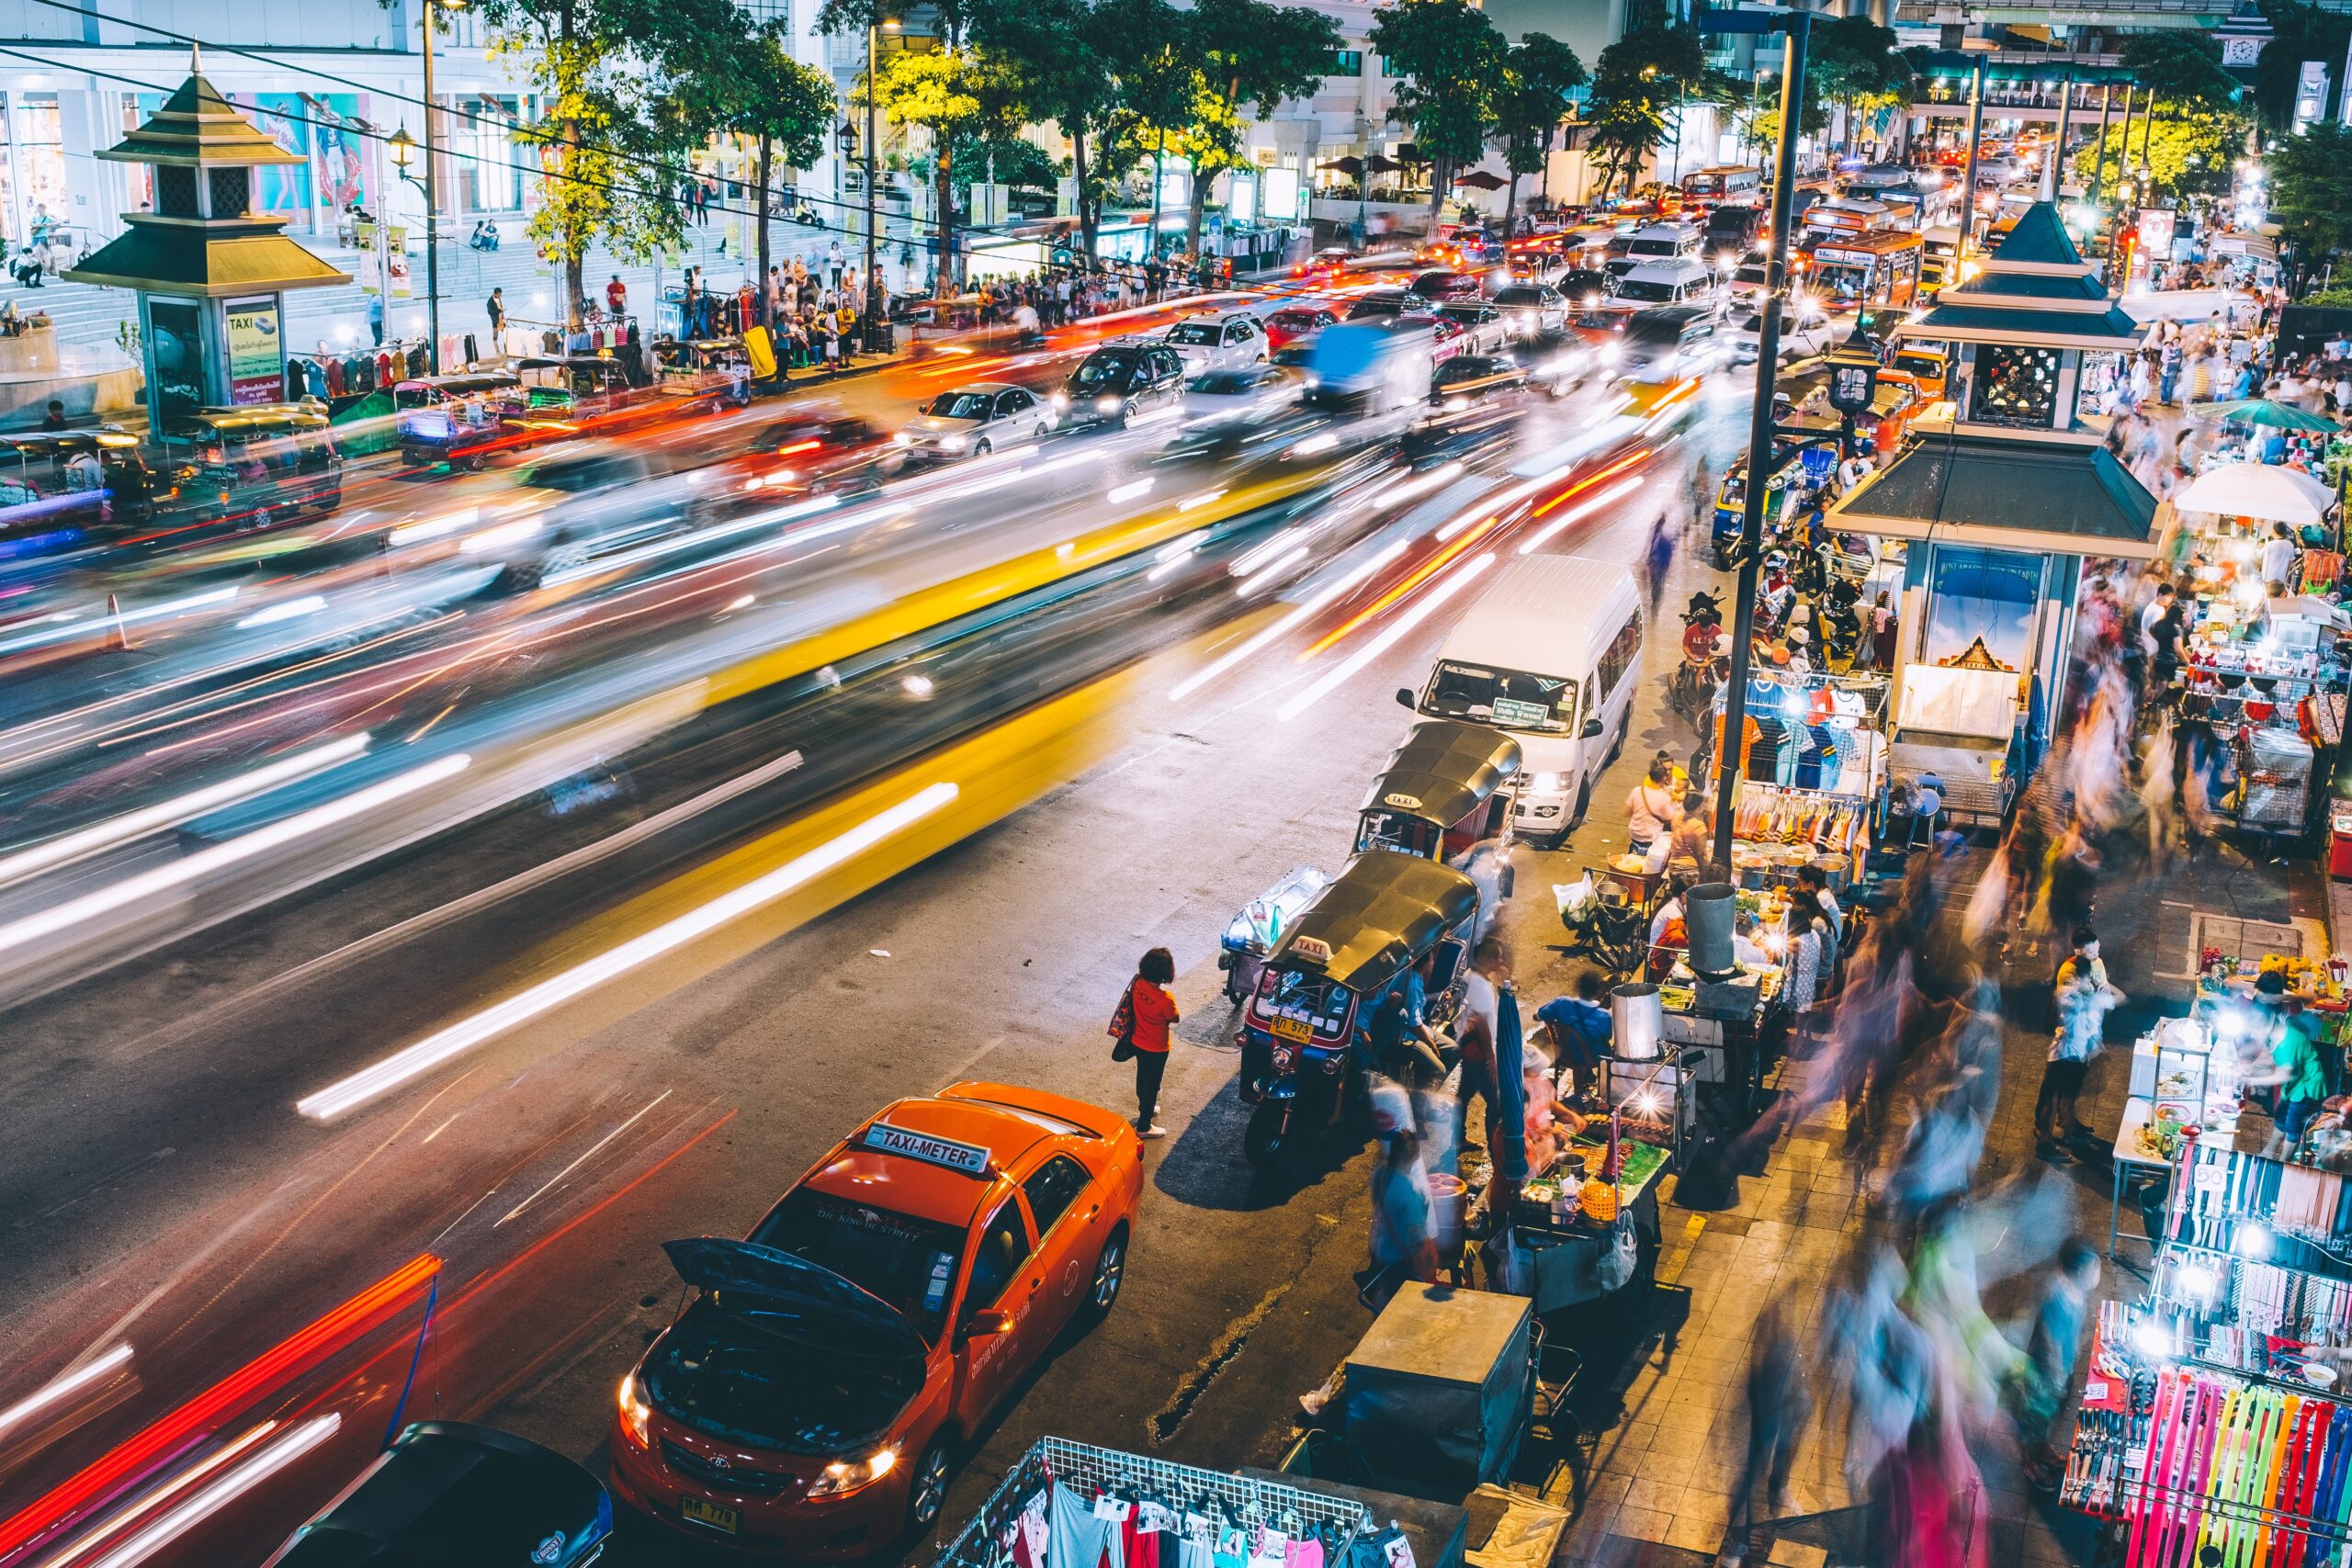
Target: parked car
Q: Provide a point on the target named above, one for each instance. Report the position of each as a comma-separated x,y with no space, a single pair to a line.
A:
1294,321
1118,381
462,1497
1531,309
971,422
1484,328
1213,342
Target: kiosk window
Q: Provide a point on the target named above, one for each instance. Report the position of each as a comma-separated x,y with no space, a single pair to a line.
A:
1002,1249
1052,1189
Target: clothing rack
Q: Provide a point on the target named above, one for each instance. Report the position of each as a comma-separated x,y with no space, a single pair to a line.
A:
1243,1499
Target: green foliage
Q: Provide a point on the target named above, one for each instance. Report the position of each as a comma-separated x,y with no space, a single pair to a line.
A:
2311,190
2182,67
2189,155
764,92
1008,159
2301,32
1635,82
1451,59
625,102
2336,297
1539,71
1243,53
1853,57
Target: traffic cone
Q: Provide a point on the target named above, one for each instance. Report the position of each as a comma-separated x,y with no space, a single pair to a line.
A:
121,637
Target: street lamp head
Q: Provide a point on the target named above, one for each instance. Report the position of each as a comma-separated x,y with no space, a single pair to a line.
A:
402,147
847,137
891,24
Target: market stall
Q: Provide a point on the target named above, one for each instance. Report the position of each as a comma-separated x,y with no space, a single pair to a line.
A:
1579,1227
1811,776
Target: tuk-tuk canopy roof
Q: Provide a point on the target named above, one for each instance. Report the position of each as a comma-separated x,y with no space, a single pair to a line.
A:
255,417
462,381
569,362
1381,913
29,445
1443,770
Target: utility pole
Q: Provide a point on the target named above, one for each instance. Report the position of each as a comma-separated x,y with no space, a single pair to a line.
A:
2058,152
1968,174
1730,755
2099,153
877,330
432,205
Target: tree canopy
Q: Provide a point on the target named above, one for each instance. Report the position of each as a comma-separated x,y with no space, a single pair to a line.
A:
1635,82
2310,191
1450,59
2301,31
1539,73
2181,67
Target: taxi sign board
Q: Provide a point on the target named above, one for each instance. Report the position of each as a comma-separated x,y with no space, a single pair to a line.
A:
1404,802
1310,950
883,1138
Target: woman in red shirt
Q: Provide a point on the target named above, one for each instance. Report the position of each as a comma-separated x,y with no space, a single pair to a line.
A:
1153,1010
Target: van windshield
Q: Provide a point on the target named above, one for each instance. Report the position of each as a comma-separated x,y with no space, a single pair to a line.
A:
1645,290
1512,698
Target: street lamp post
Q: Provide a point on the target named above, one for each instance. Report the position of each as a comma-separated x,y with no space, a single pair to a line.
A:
432,199
878,329
1762,445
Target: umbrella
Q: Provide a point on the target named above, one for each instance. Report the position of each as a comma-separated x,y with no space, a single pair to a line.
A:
1380,165
2269,490
1349,166
1510,1135
1478,179
2263,410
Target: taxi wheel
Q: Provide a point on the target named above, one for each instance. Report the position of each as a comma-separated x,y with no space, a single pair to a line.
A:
927,1491
1110,1273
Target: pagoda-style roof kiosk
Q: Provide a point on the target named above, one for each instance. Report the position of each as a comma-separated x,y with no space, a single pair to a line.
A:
209,271
1999,506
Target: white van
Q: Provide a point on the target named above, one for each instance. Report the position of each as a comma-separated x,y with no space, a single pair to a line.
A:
1684,282
1550,652
1664,242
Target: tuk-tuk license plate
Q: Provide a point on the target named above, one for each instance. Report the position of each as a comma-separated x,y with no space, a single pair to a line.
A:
1293,1028
718,1515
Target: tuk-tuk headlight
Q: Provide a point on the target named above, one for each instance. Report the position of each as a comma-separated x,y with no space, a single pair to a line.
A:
636,1413
845,1476
1286,1058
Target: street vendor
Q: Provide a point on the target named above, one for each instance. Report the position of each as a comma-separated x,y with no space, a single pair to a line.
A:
2296,1066
1581,1029
1551,1125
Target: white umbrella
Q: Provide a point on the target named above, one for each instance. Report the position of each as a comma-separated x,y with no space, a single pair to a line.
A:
2269,490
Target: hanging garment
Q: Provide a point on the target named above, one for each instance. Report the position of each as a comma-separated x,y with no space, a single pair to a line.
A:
1077,1539
1032,1534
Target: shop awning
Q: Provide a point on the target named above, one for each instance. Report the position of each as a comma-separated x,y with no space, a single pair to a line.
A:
2244,245
2006,493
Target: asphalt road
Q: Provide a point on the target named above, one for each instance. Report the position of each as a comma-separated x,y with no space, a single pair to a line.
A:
167,1195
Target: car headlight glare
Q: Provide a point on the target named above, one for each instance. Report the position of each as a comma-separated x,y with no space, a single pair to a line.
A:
636,1413
1545,783
1106,405
1061,400
953,443
903,438
845,1476
1610,353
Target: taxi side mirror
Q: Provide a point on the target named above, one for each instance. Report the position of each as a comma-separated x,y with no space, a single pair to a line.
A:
1405,697
992,1321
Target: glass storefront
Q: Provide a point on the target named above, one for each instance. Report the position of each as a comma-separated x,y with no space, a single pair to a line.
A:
36,175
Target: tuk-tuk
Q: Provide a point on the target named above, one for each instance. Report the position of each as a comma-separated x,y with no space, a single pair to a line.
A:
259,465
1445,791
557,394
56,487
713,370
1731,502
451,419
1376,920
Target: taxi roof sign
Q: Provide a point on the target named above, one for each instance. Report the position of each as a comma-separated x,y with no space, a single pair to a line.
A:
968,1159
1311,950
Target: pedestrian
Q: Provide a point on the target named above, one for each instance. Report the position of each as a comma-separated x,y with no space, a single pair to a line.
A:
375,317
1480,1020
833,262
495,308
2278,553
616,298
1648,809
2036,1390
2083,999
1882,632
1140,1026
1779,1406
53,418
1404,1244
1659,557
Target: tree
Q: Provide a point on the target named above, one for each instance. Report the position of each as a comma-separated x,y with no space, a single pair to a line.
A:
1244,52
2310,191
2181,68
2189,156
1854,61
1539,71
943,96
2298,32
1066,60
1655,63
1450,59
786,107
621,113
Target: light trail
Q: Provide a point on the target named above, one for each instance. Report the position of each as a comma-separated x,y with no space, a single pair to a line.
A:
65,1386
266,1461
1337,587
179,874
124,617
445,1044
132,825
1614,494
1413,580
1387,639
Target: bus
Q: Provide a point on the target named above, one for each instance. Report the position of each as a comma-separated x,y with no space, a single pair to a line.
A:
1726,183
1866,271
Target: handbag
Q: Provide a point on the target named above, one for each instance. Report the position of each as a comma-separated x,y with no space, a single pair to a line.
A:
1122,1026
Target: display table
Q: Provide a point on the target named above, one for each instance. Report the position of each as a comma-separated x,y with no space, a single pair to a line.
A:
1565,1260
2129,1157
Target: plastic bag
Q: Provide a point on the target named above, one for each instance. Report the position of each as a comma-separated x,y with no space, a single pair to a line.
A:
1508,1268
1615,1270
1578,900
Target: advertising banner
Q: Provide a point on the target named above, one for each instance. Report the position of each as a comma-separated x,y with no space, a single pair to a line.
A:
256,351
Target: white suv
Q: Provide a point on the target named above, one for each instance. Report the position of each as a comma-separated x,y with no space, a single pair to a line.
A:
1212,342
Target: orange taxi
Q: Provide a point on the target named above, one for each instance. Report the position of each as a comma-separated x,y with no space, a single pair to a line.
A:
812,1396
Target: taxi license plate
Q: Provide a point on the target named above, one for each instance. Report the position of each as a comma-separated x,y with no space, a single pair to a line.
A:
1293,1028
718,1515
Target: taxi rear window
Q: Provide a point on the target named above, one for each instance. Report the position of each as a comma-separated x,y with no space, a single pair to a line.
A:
908,1263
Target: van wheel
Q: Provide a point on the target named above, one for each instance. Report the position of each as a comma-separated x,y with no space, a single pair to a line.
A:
1617,747
1584,799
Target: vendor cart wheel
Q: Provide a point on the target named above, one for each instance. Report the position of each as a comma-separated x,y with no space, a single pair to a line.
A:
1110,1273
1268,1133
927,1492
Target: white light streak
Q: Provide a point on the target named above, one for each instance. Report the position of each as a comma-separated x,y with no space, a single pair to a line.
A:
267,1462
1577,514
65,1386
1387,640
291,610
1322,596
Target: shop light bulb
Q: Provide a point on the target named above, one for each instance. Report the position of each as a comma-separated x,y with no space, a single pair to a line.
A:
2252,1242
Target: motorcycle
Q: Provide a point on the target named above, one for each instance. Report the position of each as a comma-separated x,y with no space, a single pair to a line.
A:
1706,658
